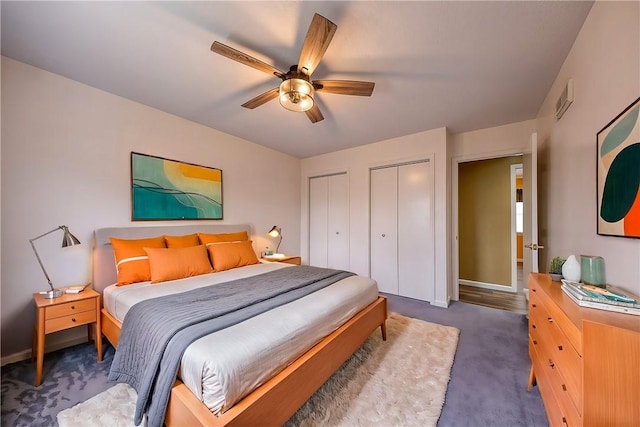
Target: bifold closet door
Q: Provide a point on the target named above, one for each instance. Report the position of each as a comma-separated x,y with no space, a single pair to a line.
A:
329,221
415,232
384,229
401,236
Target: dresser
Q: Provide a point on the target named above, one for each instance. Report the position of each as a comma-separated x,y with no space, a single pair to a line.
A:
586,362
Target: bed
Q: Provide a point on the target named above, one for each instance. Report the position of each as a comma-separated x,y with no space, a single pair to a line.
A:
281,393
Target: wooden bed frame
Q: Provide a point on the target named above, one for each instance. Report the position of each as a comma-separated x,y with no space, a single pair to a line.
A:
274,402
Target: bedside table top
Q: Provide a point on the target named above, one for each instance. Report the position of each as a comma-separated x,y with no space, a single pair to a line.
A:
41,301
280,258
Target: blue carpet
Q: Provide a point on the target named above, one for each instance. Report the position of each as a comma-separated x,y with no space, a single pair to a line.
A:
69,376
489,377
488,384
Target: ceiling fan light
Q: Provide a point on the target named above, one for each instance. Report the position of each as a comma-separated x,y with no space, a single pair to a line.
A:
296,95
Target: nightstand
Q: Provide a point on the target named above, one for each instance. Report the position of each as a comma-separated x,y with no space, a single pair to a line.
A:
288,259
65,312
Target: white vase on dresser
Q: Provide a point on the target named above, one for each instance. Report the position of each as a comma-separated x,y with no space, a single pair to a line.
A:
571,269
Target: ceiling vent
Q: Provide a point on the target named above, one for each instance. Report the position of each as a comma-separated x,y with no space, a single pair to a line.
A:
565,100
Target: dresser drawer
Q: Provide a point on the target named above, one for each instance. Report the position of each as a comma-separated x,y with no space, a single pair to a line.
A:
568,362
65,322
558,403
68,308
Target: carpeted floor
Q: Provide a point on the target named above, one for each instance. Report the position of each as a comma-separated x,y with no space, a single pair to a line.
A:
399,382
487,386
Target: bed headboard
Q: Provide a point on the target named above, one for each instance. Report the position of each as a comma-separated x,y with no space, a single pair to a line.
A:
104,266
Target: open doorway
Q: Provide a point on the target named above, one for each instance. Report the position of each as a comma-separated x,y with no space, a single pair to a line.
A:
489,218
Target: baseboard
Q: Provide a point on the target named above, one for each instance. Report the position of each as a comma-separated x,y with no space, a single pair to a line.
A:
443,304
483,285
26,354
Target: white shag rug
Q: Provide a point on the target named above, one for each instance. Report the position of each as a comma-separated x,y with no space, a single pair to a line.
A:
402,381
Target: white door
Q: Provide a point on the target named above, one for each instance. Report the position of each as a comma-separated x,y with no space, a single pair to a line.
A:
318,222
338,222
530,198
384,229
415,232
329,221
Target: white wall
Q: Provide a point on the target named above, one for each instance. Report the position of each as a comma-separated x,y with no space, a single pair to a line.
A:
604,63
66,160
492,142
357,161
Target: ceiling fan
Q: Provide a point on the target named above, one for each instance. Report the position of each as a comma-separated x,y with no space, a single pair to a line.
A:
297,90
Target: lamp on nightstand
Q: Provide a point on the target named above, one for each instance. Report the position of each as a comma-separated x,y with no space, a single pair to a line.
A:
68,239
276,232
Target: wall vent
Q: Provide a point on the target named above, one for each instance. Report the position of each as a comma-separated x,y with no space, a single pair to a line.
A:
565,100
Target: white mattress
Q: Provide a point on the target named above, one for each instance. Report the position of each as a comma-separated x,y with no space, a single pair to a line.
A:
221,368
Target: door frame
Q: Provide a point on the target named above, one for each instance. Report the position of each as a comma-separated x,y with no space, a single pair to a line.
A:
455,261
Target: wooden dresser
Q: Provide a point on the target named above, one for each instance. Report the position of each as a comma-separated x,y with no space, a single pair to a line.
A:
585,361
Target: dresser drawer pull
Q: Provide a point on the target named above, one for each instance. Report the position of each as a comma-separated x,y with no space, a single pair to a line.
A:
533,305
564,422
535,342
73,307
550,319
564,387
560,347
73,319
551,364
533,326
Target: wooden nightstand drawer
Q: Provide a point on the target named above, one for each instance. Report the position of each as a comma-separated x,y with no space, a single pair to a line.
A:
70,321
70,308
65,312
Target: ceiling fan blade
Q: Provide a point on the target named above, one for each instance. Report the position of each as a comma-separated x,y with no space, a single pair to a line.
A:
315,44
261,99
245,59
314,114
344,87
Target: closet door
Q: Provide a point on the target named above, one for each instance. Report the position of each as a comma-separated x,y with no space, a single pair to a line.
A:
318,223
329,221
338,222
384,229
415,231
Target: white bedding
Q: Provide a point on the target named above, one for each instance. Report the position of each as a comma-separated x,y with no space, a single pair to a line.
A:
223,367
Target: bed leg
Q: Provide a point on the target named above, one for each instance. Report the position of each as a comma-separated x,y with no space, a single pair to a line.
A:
383,329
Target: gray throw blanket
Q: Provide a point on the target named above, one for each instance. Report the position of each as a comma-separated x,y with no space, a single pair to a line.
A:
156,332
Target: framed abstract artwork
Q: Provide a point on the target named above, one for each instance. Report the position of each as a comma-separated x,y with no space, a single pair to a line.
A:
619,175
163,189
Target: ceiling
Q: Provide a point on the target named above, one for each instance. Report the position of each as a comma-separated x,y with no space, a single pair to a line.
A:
463,65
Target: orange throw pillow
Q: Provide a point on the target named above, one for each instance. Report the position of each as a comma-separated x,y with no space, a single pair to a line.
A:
132,261
182,241
226,256
178,263
207,239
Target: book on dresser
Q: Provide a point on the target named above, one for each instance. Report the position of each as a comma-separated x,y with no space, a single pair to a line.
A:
609,298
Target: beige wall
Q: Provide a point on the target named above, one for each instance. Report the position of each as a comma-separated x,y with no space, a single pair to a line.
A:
66,154
484,220
604,63
357,161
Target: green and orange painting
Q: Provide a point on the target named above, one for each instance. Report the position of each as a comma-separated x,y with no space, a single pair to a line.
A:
163,189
